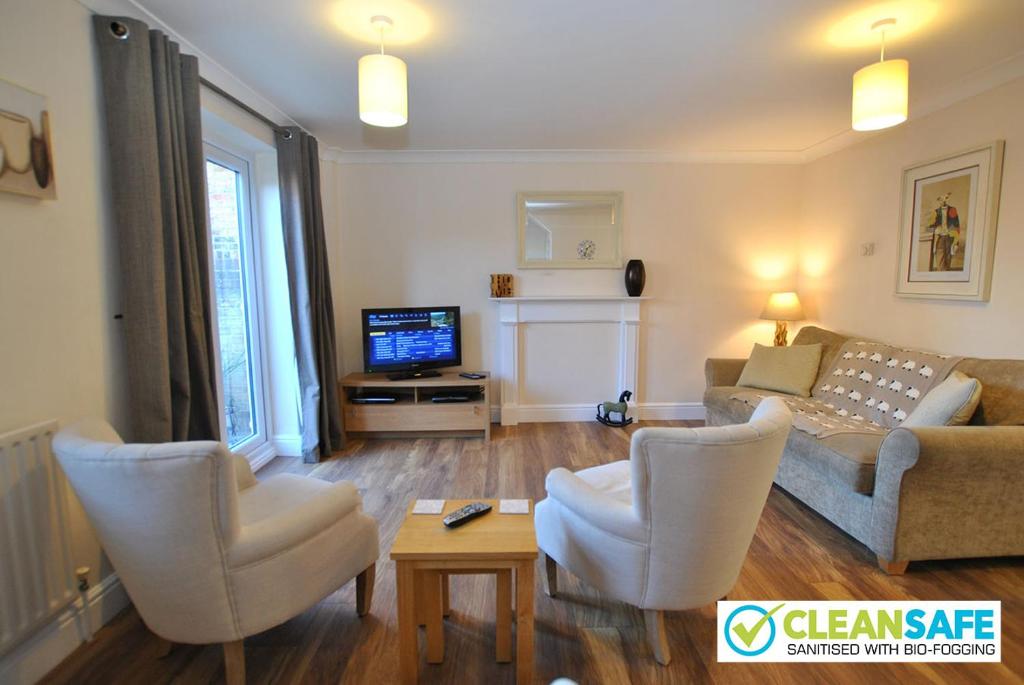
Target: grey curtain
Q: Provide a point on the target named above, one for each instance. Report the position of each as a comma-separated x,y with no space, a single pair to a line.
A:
309,281
158,184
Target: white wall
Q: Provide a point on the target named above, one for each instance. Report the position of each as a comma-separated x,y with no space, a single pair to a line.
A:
57,336
715,239
853,196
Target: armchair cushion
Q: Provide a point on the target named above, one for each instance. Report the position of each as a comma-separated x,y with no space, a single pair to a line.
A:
243,472
611,479
284,511
601,495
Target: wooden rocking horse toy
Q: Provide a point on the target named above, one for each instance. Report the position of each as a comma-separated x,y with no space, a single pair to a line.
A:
606,409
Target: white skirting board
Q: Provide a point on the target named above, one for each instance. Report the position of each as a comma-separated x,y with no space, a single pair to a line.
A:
287,445
42,652
649,411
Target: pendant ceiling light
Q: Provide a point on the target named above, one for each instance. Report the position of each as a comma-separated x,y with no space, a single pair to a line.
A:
383,85
880,89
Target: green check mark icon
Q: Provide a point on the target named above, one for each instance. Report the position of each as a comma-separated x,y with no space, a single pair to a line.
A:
747,635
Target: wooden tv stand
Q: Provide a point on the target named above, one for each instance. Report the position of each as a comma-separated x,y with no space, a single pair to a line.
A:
415,414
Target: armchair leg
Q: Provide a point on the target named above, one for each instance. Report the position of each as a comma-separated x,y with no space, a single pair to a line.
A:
364,589
550,576
655,622
234,662
893,568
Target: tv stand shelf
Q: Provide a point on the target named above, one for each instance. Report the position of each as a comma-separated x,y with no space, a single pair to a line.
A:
414,414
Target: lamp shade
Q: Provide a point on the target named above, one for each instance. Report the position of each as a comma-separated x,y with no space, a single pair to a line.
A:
783,307
880,95
383,91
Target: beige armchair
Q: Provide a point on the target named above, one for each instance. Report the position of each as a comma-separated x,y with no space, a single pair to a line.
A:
668,529
207,553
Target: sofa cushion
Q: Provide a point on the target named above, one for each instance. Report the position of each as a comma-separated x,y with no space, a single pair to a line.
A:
847,457
830,344
719,400
950,403
787,369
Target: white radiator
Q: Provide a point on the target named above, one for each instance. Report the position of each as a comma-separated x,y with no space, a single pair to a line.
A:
37,578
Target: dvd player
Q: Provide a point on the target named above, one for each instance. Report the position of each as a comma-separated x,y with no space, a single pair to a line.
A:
443,396
375,398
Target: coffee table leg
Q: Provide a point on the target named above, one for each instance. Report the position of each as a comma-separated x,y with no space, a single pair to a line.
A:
421,605
446,603
524,623
503,616
432,614
407,639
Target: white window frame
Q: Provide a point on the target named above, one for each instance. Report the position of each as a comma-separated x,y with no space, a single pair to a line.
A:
259,449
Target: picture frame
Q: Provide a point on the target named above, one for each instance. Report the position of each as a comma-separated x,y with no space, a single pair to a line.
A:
948,217
26,150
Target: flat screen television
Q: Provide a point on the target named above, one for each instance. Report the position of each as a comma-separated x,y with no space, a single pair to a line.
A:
411,339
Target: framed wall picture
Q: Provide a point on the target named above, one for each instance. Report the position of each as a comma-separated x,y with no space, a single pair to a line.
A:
26,156
948,225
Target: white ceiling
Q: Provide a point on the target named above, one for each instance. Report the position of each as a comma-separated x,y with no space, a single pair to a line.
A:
661,75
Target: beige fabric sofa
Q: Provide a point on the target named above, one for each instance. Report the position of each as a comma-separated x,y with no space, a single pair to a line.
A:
916,493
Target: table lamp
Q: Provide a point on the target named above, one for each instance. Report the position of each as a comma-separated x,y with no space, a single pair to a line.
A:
782,307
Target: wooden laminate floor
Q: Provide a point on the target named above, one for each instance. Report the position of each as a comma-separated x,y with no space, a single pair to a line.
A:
795,555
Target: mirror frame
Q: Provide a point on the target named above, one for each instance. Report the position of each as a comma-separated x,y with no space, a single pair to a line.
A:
616,197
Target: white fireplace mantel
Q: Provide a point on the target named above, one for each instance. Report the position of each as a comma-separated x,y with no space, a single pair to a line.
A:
516,312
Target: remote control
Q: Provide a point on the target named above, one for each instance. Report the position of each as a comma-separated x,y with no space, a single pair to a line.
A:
466,514
473,376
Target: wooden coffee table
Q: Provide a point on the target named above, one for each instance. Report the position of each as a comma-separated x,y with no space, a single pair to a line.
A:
426,553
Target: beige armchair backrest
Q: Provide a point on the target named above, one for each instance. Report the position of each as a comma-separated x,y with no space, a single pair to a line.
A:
165,514
701,492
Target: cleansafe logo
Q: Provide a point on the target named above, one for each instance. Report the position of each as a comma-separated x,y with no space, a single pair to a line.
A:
859,631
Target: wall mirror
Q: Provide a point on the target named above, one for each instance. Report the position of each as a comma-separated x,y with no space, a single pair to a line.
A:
570,230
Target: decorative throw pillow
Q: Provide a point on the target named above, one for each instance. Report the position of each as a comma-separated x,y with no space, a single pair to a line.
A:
950,403
790,370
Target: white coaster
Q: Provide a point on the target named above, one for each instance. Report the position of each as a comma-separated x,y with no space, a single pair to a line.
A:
428,506
514,506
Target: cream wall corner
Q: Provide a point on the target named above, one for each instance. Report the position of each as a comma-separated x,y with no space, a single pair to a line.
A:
853,196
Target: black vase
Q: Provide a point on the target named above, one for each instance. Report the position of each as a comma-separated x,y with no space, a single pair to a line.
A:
636,277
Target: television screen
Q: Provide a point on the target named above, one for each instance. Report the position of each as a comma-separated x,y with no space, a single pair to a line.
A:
411,338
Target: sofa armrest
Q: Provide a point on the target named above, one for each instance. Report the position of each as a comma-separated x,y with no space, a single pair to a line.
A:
723,372
592,505
949,492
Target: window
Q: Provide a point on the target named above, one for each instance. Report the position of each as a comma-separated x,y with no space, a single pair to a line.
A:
234,256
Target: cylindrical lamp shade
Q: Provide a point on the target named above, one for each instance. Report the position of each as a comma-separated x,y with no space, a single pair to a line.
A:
880,95
383,91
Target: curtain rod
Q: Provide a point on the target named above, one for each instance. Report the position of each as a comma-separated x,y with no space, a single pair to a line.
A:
235,101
